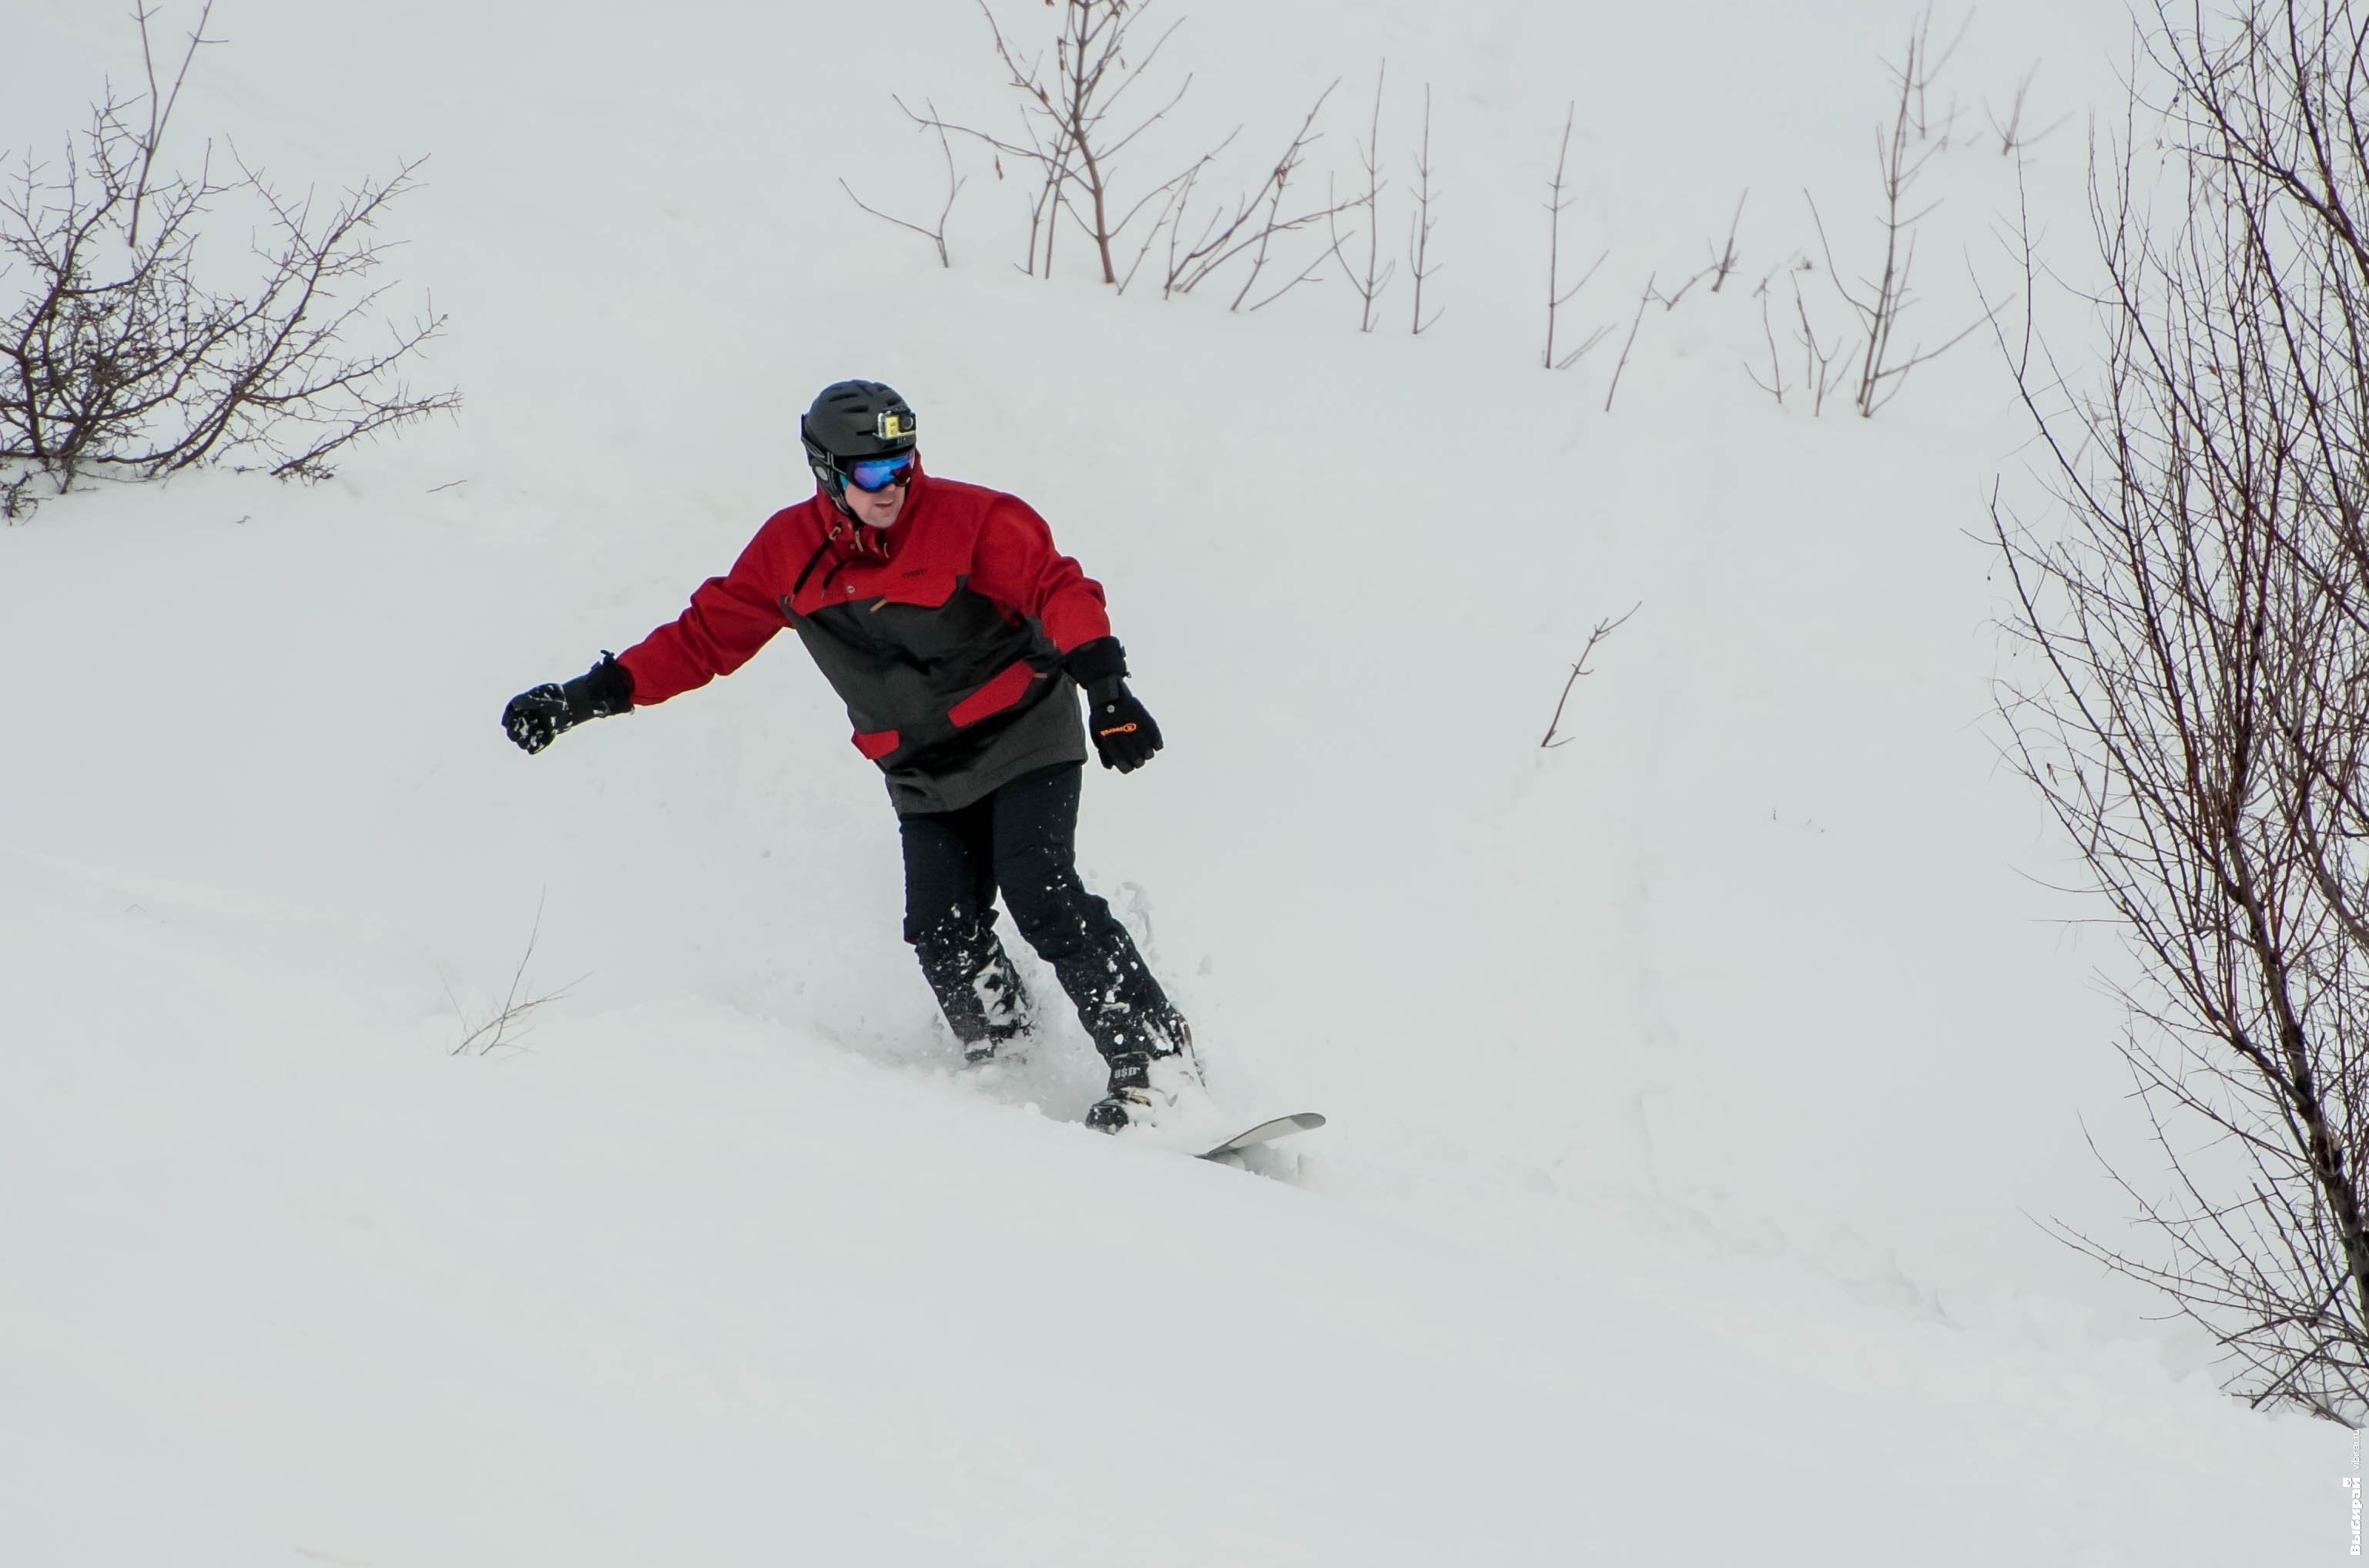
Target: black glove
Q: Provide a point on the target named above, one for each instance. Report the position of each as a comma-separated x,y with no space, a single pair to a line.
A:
1125,733
534,719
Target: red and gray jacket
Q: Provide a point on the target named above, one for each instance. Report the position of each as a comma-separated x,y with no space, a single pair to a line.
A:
943,635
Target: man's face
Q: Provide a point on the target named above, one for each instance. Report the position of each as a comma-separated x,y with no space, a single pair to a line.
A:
875,509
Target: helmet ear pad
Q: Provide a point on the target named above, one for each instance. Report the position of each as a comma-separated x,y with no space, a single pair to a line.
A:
826,472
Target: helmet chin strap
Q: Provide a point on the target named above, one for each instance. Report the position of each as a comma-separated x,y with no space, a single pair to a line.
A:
834,485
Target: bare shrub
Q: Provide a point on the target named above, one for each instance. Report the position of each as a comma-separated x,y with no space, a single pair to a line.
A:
1822,370
1072,141
2197,710
1882,297
117,356
1249,231
507,1023
1822,367
1075,136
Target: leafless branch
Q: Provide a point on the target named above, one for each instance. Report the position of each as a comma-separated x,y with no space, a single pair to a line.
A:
2012,136
1579,667
1921,67
1369,282
160,109
936,233
1275,223
1419,263
1775,385
1822,367
1724,262
1643,300
1558,296
1593,339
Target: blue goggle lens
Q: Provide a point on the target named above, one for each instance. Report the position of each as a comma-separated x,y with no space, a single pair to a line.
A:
874,473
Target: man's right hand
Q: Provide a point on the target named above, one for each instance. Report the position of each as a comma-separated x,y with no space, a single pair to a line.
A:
534,719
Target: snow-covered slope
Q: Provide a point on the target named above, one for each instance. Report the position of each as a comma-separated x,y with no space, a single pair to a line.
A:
1694,1084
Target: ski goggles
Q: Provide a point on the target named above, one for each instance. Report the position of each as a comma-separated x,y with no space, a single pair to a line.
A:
874,473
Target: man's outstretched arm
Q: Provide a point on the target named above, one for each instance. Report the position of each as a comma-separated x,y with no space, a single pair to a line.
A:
729,618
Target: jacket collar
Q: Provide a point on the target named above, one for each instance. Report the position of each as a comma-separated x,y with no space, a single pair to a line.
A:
849,540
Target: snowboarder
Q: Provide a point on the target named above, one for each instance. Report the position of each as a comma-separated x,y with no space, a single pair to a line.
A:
956,633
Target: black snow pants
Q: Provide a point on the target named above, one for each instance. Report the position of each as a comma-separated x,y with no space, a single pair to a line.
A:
1022,839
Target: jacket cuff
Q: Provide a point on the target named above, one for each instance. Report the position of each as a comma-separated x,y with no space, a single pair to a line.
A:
606,688
1096,662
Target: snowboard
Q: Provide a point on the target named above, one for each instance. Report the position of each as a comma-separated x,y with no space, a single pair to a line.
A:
1266,1132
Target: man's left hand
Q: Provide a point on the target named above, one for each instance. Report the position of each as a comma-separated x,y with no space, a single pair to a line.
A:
1125,735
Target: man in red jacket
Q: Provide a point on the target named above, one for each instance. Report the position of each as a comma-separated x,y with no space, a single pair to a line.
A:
944,618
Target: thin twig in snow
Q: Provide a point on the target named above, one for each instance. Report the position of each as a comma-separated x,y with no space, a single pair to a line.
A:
497,1030
1603,630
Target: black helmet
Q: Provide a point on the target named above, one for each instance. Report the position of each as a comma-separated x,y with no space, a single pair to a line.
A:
850,420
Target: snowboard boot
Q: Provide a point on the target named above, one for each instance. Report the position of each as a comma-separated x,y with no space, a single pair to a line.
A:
1155,1074
1003,1006
1159,1089
979,992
